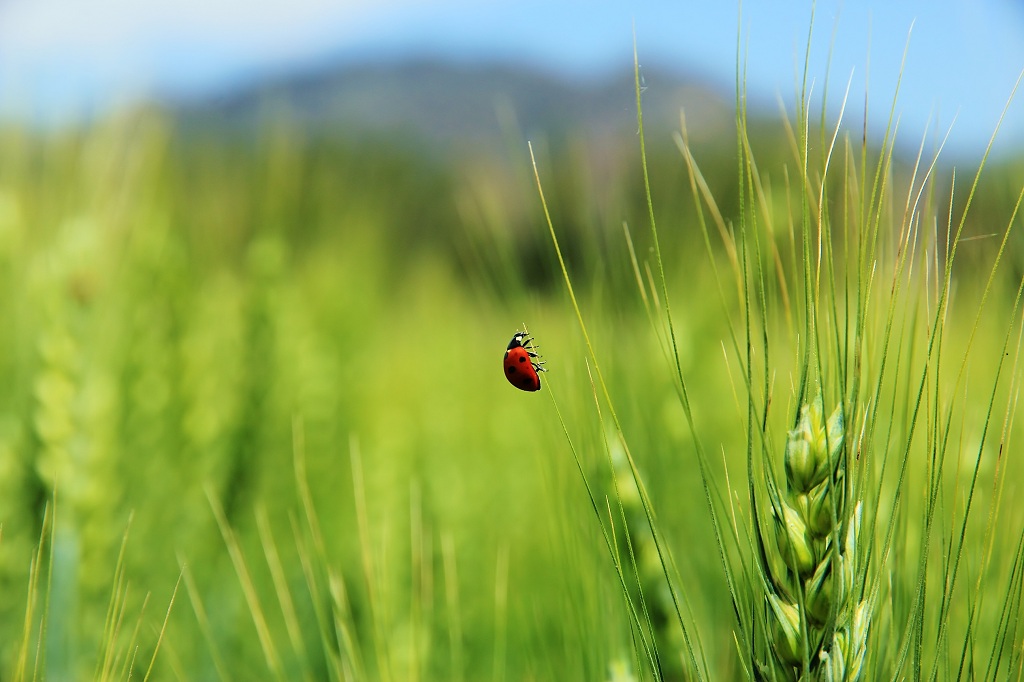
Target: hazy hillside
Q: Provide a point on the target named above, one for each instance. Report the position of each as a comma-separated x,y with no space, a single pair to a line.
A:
455,104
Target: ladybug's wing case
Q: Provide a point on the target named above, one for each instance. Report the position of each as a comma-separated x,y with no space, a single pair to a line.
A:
520,370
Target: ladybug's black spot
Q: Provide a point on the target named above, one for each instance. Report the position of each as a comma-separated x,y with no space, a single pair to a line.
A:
522,358
511,369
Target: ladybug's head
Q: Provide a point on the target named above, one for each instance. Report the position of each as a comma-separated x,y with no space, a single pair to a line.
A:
518,341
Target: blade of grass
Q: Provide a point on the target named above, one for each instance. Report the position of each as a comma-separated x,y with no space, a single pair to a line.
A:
270,654
34,574
281,589
203,620
338,627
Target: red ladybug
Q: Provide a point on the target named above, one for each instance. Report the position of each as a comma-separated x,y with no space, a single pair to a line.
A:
522,364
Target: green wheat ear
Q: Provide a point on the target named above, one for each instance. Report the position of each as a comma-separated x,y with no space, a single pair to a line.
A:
818,629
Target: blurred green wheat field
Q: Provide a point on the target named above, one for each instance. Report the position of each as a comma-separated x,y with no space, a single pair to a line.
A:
254,425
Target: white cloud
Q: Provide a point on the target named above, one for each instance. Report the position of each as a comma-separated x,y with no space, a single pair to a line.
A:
68,25
71,53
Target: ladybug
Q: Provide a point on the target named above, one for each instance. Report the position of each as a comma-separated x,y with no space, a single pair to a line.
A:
522,364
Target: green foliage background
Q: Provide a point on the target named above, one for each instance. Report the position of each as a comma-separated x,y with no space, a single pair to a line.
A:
189,314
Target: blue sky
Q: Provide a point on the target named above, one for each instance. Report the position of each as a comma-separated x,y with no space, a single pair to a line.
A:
62,57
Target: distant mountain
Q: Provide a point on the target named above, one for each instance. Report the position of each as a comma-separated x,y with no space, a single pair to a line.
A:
466,105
